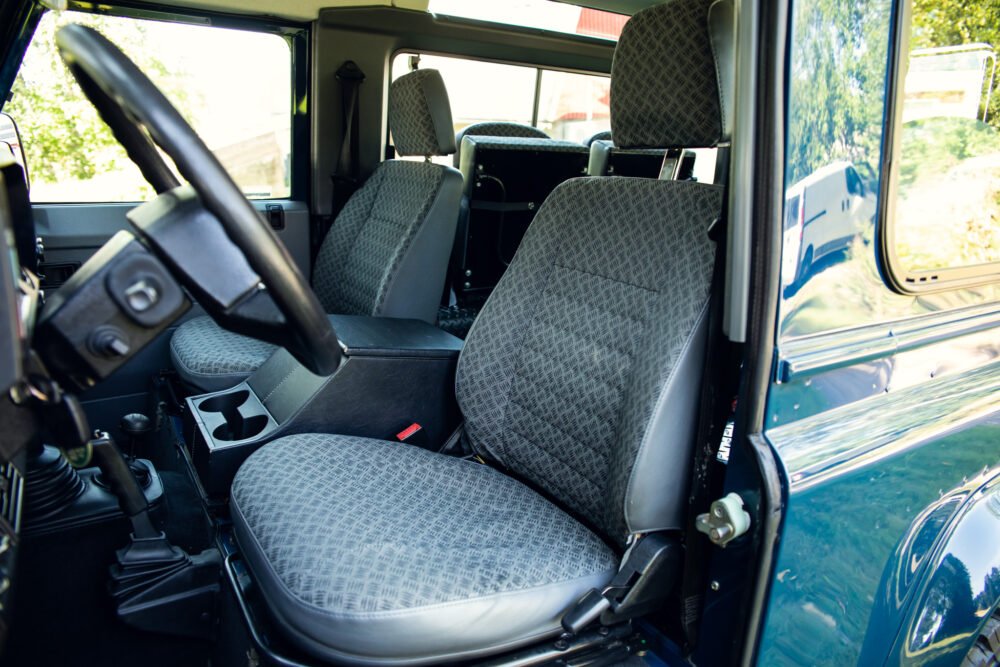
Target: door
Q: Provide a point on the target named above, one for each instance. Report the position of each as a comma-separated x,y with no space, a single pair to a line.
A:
236,83
884,405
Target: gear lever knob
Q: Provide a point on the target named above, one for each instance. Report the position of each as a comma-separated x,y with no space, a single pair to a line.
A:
135,425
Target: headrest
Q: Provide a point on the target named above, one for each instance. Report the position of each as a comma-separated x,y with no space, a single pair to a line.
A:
420,114
666,74
496,129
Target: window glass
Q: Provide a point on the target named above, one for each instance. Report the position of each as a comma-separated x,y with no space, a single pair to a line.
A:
572,106
234,87
947,208
479,90
542,14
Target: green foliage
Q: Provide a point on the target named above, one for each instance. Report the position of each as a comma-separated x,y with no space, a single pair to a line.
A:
952,22
839,68
64,138
837,80
932,146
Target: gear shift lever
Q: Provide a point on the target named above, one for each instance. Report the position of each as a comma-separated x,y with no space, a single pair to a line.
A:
156,585
116,474
135,426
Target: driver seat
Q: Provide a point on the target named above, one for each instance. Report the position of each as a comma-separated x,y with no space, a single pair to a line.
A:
386,254
579,384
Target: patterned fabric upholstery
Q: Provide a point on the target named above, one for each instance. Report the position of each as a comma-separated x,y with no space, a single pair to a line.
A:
358,259
426,519
343,529
420,114
353,274
495,129
527,144
377,553
563,368
664,84
204,351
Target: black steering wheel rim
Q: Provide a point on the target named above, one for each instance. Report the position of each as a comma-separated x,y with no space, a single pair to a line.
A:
130,103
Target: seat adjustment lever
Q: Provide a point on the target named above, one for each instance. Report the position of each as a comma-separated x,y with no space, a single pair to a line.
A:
643,581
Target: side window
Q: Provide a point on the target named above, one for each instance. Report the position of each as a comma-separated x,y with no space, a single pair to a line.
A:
572,106
565,105
944,207
233,86
479,91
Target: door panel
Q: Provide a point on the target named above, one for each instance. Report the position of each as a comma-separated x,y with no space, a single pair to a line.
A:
71,233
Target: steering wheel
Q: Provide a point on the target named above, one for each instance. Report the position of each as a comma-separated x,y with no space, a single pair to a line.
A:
139,115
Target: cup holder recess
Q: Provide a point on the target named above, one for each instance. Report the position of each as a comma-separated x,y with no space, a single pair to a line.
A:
226,402
240,429
237,423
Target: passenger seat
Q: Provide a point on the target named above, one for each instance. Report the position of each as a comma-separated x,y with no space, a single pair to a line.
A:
387,252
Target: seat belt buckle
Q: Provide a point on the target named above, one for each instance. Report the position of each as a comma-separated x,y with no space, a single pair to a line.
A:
412,434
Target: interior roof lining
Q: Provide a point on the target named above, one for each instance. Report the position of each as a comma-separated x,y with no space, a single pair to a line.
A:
308,10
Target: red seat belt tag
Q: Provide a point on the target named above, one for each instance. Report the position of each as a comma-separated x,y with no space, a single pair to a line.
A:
409,432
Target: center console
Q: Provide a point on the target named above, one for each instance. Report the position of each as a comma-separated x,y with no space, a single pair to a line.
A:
394,374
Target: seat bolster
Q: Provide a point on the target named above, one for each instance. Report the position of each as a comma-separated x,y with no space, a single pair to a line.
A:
449,631
210,358
656,492
416,285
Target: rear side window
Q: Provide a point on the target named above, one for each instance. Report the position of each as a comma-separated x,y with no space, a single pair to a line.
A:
573,106
479,91
565,105
943,212
233,86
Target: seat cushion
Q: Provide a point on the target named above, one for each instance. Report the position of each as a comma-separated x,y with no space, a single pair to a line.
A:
211,358
376,552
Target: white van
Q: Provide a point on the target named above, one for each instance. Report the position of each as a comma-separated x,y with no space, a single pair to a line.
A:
824,212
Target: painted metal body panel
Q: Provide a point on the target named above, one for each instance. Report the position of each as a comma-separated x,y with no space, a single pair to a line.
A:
884,408
959,584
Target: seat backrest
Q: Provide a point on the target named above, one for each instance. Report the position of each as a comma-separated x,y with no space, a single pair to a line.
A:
493,128
506,179
582,373
387,252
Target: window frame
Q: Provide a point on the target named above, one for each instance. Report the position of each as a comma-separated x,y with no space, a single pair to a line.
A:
296,35
894,273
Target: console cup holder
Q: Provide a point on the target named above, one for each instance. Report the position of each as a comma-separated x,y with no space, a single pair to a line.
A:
226,403
240,428
241,418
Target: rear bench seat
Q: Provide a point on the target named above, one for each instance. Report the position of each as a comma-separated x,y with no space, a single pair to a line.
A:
607,160
505,179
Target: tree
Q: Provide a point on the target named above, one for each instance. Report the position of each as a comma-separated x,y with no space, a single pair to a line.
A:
939,23
837,83
64,137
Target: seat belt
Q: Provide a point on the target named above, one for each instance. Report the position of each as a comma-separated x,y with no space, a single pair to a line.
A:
345,177
718,389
